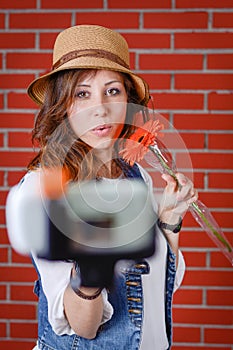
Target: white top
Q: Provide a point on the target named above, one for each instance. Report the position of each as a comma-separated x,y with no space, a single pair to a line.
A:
55,276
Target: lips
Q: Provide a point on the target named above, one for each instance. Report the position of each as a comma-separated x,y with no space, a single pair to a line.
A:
102,130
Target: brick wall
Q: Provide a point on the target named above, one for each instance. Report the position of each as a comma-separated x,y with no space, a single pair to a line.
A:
184,48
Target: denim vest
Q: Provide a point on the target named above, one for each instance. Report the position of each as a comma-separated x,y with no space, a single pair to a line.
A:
123,330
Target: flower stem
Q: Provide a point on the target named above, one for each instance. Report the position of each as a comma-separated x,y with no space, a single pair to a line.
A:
195,205
215,232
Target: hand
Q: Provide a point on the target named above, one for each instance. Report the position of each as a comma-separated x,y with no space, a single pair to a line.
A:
176,198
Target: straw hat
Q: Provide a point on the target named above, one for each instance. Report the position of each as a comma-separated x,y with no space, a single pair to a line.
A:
88,46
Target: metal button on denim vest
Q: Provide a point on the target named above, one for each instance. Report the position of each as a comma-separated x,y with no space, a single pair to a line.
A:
123,330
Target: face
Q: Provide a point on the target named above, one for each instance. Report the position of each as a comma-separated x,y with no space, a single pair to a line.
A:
98,113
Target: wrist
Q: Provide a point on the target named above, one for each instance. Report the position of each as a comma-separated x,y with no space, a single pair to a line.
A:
87,293
175,228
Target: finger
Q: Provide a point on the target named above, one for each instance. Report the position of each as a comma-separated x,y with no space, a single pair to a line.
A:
171,185
193,198
186,189
183,180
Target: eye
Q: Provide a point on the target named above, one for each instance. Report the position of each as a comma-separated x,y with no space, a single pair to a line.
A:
112,92
82,94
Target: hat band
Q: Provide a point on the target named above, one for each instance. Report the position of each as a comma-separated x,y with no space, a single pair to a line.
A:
90,53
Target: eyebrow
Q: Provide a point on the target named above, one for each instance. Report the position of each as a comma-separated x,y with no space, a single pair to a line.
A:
106,84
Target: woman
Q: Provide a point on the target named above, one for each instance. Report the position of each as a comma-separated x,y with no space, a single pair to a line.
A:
86,109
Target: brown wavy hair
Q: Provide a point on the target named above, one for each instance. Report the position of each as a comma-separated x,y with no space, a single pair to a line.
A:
59,146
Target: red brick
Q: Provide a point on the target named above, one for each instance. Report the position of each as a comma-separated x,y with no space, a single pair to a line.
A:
176,20
198,180
195,259
3,330
1,140
185,334
2,20
139,4
208,160
203,40
17,274
203,121
22,293
47,40
202,316
157,81
20,100
14,120
25,4
20,139
170,61
71,4
17,40
115,20
224,219
3,255
2,217
20,345
220,141
217,199
2,175
204,81
147,40
220,297
40,20
218,259
29,61
220,101
189,140
203,4
208,278
23,330
1,101
178,101
4,236
222,20
220,61
218,336
18,258
18,311
3,195
15,81
2,292
188,296
15,159
220,180
0,61
14,177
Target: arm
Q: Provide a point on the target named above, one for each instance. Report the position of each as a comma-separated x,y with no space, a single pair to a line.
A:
89,311
174,204
64,315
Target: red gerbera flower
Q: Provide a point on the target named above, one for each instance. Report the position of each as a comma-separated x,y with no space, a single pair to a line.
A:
138,144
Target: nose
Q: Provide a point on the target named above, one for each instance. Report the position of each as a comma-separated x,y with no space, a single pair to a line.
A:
100,106
100,110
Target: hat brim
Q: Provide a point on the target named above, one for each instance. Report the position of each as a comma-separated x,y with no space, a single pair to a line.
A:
37,89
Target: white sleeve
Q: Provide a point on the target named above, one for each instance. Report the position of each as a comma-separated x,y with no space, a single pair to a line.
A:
179,271
25,214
